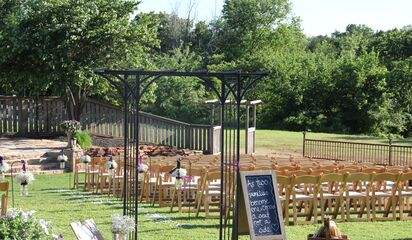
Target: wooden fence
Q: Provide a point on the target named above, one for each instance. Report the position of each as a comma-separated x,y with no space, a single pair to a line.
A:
31,116
382,154
28,117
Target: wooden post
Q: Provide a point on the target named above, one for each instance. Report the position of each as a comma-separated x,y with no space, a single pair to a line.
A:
23,113
390,150
304,147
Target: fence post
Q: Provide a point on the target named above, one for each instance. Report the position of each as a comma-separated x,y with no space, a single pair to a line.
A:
390,150
304,138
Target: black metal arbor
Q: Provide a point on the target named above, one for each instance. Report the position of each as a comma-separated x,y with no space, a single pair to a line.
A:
230,88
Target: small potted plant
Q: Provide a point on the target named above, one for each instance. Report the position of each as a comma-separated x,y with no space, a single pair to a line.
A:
70,127
24,178
4,167
62,158
121,226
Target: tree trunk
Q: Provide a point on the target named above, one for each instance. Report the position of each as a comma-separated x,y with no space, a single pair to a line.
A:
75,103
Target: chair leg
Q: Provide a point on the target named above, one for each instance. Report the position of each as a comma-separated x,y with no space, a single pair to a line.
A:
173,199
347,209
295,213
373,208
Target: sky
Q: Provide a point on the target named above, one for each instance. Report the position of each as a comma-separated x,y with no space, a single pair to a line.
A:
318,17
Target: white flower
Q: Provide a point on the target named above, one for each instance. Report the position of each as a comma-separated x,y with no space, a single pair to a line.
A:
85,159
24,177
179,172
13,213
62,158
110,165
45,225
4,167
122,224
142,168
26,216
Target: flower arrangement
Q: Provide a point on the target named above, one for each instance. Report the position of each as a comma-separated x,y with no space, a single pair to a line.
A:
24,178
110,165
85,159
20,224
179,173
122,225
70,126
62,158
4,167
142,168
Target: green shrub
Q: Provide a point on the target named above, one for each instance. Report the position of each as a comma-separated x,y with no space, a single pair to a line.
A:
83,139
23,225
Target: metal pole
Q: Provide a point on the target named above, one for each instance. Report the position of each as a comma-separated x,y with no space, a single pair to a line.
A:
137,141
235,234
222,156
12,182
125,133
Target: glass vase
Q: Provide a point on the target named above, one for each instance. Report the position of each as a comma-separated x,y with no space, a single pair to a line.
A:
24,190
140,177
62,165
120,236
2,177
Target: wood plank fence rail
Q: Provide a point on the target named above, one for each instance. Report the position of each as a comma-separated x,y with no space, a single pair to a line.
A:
381,154
28,117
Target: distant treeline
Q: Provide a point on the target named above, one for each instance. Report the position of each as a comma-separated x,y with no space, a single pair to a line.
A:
357,81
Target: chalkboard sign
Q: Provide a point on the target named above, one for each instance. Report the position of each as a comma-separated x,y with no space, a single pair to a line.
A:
262,205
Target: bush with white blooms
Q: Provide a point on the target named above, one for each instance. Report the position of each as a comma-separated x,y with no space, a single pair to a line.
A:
18,224
122,224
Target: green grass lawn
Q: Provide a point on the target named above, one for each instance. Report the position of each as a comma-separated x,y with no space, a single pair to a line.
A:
275,141
51,197
54,201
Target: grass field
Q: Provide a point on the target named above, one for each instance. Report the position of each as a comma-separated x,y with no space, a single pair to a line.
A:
275,141
51,197
53,201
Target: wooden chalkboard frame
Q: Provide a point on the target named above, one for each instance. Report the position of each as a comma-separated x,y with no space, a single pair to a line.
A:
253,236
86,230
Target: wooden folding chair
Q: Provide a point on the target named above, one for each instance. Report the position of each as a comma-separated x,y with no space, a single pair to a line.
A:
80,169
404,194
357,189
186,194
305,190
208,194
284,186
331,190
164,185
4,187
382,194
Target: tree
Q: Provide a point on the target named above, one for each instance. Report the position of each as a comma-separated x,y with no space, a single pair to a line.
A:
51,47
181,98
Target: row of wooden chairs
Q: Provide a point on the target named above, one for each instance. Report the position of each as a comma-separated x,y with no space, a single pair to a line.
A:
201,189
347,194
